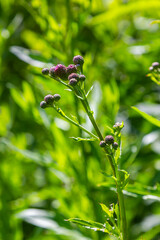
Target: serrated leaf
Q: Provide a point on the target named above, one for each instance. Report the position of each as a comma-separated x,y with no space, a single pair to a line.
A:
149,118
79,139
110,215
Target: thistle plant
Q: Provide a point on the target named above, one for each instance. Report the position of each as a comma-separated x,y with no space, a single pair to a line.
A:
73,78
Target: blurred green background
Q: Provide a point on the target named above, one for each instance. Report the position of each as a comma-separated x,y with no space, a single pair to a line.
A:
46,177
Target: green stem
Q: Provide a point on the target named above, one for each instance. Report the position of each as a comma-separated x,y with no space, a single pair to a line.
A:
121,205
59,110
122,212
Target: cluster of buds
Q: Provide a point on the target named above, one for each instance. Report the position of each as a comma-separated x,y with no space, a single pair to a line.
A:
49,100
64,73
109,141
155,67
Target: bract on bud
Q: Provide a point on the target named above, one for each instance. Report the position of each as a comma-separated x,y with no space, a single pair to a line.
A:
73,75
115,145
102,144
118,126
43,104
61,71
45,71
82,77
71,69
73,82
78,60
56,97
52,72
155,65
49,99
109,139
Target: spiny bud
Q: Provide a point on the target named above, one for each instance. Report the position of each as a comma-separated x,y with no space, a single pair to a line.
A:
78,60
56,97
82,77
115,145
71,69
73,75
155,65
72,82
109,139
52,72
45,71
102,144
61,71
43,104
49,99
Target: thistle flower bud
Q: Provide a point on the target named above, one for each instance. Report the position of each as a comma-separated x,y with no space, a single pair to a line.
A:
115,145
155,65
73,82
52,72
61,71
102,144
45,71
73,75
78,60
118,126
49,99
71,69
56,97
82,77
151,68
109,139
43,104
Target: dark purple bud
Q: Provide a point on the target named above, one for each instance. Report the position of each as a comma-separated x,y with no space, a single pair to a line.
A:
115,145
151,68
61,71
73,75
56,97
82,78
49,99
155,65
78,60
73,82
102,144
109,139
51,72
43,104
71,69
45,71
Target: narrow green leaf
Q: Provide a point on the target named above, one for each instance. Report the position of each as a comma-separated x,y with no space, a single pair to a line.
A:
108,176
106,210
149,118
79,139
155,21
89,224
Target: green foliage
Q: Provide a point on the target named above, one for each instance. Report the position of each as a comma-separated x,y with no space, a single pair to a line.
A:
42,170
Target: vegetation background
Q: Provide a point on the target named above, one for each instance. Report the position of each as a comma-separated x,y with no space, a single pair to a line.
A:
46,177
